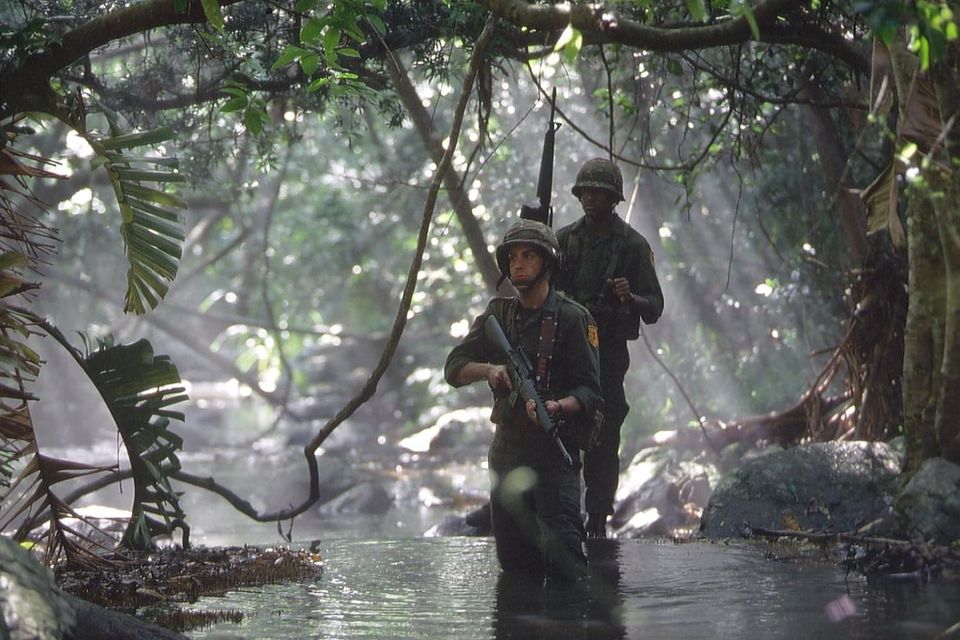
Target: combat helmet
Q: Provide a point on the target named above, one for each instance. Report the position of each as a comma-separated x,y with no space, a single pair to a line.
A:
529,232
600,173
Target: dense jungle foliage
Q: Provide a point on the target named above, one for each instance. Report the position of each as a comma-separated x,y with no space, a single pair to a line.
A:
242,184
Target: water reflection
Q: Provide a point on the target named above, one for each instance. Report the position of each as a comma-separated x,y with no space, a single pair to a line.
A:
442,588
591,609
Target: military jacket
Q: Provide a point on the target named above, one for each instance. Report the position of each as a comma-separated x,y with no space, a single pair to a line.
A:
574,368
589,261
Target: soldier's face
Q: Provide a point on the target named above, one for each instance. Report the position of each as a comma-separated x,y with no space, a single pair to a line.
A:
526,264
597,203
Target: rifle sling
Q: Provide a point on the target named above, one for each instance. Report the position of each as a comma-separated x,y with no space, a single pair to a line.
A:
548,338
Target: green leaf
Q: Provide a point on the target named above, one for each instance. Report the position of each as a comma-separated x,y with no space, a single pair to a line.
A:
311,30
239,92
290,54
150,176
118,158
319,83
161,198
697,9
131,140
160,212
566,37
254,121
169,247
377,24
331,39
570,42
234,104
153,259
213,13
747,12
159,226
309,63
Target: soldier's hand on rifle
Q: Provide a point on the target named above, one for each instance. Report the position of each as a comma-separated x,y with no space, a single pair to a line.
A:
553,408
498,378
621,289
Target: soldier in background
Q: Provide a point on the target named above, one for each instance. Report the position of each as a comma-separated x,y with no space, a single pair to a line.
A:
608,267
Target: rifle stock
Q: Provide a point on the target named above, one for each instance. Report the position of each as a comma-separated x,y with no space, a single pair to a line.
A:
542,211
521,377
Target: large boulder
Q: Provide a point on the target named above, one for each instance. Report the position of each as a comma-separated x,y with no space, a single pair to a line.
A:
31,603
824,486
928,507
660,494
454,434
33,607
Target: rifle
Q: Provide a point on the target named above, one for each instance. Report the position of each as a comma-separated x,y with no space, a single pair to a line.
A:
521,379
542,211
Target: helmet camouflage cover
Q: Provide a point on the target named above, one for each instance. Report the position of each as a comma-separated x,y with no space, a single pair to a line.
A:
600,173
528,232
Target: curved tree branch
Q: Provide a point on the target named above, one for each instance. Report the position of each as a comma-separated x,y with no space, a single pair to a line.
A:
400,320
26,87
599,25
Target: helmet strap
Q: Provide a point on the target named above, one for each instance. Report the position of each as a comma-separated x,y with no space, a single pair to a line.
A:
545,273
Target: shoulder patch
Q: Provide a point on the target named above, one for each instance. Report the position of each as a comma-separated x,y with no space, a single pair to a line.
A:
593,336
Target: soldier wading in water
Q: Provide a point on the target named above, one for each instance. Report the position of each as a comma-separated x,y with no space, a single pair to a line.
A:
535,493
607,267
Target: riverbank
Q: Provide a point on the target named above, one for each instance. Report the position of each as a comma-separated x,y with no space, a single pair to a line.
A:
155,586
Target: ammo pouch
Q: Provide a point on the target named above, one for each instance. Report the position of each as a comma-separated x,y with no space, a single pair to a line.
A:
582,432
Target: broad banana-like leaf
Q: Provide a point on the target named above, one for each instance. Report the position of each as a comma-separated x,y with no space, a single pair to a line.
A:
880,199
920,118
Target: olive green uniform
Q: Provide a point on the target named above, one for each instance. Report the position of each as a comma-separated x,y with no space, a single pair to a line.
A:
536,516
589,262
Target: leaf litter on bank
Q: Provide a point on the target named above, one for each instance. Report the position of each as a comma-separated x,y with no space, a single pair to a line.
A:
156,583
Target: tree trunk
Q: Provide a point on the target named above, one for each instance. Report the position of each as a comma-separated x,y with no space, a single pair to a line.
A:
946,425
923,336
946,74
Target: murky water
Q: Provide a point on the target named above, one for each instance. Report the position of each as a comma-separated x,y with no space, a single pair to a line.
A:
441,588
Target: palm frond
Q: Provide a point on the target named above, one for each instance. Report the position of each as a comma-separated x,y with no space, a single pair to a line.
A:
24,241
151,229
138,388
27,500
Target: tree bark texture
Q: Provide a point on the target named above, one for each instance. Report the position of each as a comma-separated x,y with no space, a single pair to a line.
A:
946,425
946,74
923,339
